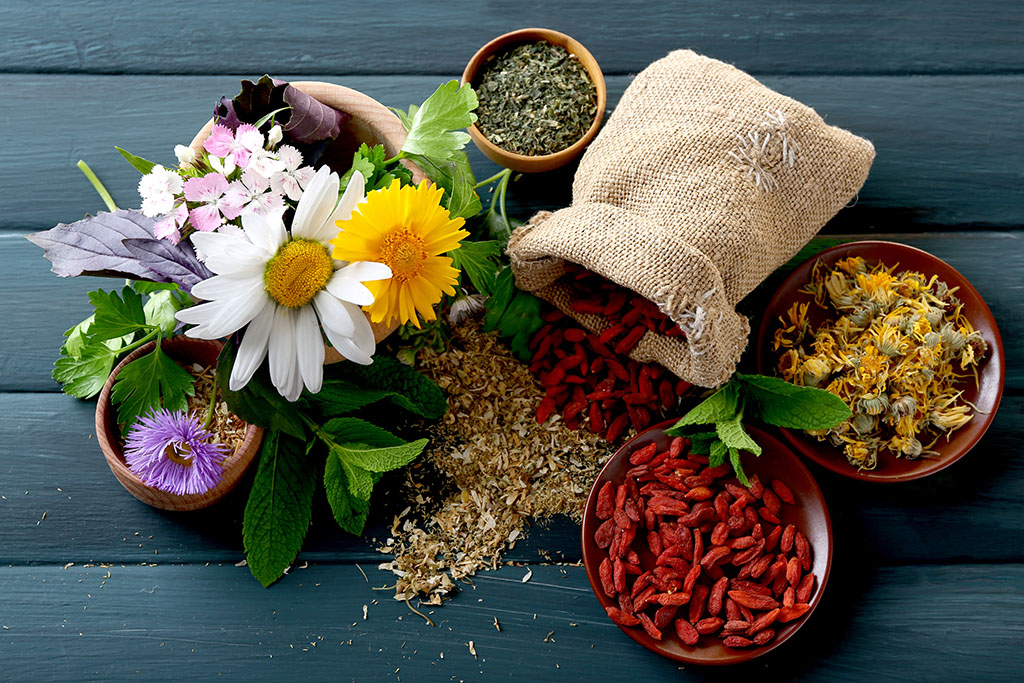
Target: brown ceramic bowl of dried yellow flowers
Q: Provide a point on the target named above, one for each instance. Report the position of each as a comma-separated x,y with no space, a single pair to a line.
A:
905,340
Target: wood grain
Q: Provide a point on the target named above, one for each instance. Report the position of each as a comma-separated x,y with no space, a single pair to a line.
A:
195,37
928,623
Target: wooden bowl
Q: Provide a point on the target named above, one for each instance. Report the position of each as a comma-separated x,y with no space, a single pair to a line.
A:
186,351
986,395
546,162
372,123
809,515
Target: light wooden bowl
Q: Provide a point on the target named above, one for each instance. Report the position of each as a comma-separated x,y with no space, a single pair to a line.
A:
546,162
184,350
372,123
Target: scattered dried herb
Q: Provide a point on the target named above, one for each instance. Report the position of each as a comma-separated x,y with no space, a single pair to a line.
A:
535,99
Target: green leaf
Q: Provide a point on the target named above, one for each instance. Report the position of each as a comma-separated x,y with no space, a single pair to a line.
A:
405,117
717,453
360,480
479,261
116,316
721,405
258,402
77,337
84,374
515,314
737,466
279,508
782,404
338,397
350,512
412,390
141,165
380,459
160,309
456,178
434,126
734,436
352,430
148,382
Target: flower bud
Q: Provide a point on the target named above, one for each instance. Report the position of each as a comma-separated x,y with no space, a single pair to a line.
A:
274,136
186,155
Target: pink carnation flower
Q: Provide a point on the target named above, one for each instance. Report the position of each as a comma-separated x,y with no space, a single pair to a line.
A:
239,145
215,208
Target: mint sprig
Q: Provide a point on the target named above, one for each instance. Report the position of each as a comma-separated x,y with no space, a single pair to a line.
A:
769,399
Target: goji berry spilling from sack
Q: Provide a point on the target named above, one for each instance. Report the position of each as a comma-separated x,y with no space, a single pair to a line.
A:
587,379
690,548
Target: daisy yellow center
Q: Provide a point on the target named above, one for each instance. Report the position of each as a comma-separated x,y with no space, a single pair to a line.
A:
180,453
405,252
299,270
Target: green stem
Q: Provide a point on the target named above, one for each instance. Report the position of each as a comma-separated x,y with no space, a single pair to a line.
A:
213,402
500,174
97,185
136,344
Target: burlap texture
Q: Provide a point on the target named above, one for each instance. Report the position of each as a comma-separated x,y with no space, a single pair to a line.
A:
702,183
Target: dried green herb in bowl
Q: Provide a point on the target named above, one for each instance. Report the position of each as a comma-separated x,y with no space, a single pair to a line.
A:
536,99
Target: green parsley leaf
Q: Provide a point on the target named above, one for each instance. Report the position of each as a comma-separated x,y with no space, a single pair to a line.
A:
456,178
160,309
434,125
782,404
478,261
258,402
349,511
721,405
279,508
148,382
84,374
116,315
732,434
515,314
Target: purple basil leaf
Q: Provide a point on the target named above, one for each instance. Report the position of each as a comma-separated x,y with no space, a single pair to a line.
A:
93,246
224,114
309,120
176,263
254,101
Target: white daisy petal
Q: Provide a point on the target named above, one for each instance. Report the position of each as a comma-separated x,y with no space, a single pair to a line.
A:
365,271
227,286
266,232
334,316
283,363
253,348
349,290
316,205
363,335
347,348
354,193
222,317
309,347
228,248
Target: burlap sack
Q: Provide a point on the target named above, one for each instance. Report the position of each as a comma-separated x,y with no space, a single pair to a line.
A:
701,184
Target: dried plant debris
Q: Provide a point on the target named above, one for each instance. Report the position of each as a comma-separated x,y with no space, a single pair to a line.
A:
489,467
226,427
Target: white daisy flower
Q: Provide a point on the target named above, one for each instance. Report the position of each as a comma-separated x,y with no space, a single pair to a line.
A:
280,284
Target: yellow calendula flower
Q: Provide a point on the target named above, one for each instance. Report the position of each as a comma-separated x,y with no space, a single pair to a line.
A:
407,229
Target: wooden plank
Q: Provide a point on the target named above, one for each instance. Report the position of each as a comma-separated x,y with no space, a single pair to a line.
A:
931,623
38,306
943,142
49,463
783,37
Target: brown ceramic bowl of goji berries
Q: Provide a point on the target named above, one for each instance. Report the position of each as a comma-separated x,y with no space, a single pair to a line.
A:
697,567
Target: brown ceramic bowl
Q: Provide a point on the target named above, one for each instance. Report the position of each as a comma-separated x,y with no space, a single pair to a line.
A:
985,395
809,515
185,351
546,162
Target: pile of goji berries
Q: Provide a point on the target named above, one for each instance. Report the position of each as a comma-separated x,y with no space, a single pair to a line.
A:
721,562
589,377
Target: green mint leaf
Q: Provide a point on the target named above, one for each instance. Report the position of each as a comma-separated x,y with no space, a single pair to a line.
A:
352,430
380,459
141,165
149,382
350,512
456,178
338,397
116,315
258,402
479,262
160,309
279,508
717,453
733,435
412,391
360,480
434,126
721,405
84,374
737,466
515,314
777,402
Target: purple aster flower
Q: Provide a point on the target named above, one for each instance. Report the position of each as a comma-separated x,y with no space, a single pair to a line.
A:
172,452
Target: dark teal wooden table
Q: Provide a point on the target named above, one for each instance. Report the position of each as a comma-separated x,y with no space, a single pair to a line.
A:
927,578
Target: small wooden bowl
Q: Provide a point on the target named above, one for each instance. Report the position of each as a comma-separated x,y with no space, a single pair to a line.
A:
183,350
372,123
809,515
986,395
546,162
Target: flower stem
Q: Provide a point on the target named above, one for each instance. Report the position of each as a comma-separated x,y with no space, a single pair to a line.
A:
97,185
136,344
505,172
213,402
